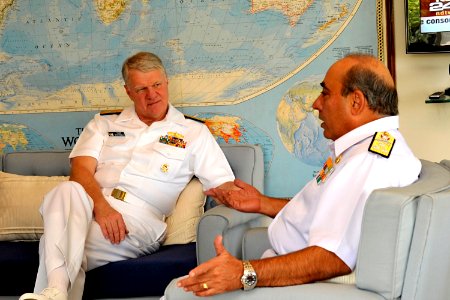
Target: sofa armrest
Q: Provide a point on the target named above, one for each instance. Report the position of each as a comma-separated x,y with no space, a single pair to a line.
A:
229,223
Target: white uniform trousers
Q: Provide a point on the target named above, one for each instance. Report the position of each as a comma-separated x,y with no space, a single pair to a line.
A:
72,238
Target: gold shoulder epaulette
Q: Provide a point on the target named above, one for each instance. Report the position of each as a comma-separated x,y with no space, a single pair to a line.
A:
382,144
194,118
110,112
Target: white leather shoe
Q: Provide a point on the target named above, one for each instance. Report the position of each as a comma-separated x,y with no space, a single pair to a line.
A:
46,294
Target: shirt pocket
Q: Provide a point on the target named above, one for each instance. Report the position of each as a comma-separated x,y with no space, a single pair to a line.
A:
167,161
115,148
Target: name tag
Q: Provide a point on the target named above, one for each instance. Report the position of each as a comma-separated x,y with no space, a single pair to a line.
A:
116,133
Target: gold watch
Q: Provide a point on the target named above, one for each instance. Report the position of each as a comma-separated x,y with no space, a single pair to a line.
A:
249,278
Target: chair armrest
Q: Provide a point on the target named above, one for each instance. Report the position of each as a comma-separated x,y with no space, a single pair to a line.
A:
311,291
255,242
445,163
229,223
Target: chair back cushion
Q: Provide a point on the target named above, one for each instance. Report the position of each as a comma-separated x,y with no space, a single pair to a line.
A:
387,230
427,274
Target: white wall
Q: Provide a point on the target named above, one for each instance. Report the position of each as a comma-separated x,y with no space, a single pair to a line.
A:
426,127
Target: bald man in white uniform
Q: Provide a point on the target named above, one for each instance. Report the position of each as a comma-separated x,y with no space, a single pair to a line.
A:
315,235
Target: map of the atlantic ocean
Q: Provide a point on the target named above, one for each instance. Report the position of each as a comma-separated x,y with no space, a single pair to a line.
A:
251,65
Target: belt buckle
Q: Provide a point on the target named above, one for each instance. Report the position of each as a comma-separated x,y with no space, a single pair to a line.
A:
118,194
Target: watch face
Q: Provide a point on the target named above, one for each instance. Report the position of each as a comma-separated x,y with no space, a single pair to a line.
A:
250,279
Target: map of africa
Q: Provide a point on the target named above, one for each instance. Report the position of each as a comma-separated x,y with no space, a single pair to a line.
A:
66,55
249,68
298,124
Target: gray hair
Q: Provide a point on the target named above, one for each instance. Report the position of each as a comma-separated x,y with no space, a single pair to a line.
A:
142,61
381,95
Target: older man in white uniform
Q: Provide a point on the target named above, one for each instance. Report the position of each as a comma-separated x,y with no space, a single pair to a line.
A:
128,170
315,235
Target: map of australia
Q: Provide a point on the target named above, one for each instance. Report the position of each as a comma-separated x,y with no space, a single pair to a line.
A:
67,55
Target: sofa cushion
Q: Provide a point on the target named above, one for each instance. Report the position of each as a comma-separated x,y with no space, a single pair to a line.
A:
20,199
138,277
143,276
22,195
19,263
182,223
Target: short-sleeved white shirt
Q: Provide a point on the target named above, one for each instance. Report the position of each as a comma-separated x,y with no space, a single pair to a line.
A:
329,214
131,155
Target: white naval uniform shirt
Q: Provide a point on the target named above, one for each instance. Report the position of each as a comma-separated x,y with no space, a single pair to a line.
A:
131,156
329,214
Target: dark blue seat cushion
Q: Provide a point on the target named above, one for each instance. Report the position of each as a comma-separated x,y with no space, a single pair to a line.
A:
144,276
19,262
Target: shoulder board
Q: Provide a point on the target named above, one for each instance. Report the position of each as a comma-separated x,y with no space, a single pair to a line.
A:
110,112
194,118
382,144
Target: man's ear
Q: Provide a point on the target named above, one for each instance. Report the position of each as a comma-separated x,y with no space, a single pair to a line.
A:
126,89
358,102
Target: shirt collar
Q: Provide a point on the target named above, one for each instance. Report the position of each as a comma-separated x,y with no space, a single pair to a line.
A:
362,132
173,115
127,114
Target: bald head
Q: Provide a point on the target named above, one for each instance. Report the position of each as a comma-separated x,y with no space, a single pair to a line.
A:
371,63
369,75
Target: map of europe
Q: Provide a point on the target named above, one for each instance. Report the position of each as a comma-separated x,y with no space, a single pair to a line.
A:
249,68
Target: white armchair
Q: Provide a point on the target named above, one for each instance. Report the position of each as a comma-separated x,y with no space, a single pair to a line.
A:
404,251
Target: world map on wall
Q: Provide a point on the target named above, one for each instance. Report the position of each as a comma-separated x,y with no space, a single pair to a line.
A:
249,68
66,55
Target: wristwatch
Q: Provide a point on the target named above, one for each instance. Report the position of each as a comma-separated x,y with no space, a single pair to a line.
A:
249,278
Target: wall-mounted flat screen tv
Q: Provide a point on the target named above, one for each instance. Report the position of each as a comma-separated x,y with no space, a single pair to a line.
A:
427,26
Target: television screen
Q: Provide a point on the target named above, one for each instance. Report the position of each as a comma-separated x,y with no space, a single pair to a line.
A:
434,16
427,26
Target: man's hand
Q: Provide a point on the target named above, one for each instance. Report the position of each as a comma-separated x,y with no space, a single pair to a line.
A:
111,222
247,198
221,274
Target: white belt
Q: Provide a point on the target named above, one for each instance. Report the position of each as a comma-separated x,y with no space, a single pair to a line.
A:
122,195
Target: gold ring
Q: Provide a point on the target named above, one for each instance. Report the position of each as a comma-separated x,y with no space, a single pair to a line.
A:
205,286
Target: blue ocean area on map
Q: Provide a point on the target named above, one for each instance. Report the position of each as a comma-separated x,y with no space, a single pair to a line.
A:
68,44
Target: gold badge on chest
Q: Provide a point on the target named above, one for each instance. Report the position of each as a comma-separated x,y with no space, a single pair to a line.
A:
164,168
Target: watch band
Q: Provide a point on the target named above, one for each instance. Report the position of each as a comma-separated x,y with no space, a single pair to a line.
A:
249,278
